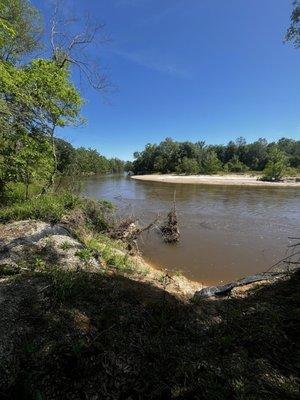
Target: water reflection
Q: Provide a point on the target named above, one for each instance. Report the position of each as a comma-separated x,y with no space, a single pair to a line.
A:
227,232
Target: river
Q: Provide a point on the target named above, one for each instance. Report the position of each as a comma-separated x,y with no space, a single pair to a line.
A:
226,232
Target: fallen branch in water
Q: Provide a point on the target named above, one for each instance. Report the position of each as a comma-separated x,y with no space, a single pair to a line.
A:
128,231
169,229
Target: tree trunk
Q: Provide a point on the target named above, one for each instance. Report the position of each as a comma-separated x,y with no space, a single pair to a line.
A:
2,189
50,183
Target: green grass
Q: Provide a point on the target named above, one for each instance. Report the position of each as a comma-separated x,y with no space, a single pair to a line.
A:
120,262
97,215
66,285
49,208
66,245
85,254
15,192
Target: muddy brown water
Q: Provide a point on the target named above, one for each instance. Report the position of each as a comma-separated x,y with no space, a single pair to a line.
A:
226,232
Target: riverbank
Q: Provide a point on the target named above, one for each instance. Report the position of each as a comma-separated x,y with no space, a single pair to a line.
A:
222,180
82,318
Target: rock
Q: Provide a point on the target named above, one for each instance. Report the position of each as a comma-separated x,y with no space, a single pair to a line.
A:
35,243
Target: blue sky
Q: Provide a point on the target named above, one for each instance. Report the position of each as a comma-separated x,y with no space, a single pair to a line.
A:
190,70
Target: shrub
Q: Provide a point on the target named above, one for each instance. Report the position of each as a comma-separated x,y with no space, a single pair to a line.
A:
52,207
276,165
48,208
211,163
235,165
98,213
188,166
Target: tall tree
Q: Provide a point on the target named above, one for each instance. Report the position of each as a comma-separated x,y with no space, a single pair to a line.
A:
20,29
276,165
293,32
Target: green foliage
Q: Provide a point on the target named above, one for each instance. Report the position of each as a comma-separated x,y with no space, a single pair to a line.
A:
49,208
276,165
20,29
25,158
66,245
66,285
211,164
82,161
33,99
291,148
117,260
187,157
42,91
98,214
235,165
188,166
85,254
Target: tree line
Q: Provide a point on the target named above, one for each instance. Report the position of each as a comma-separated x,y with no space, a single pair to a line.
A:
171,156
82,161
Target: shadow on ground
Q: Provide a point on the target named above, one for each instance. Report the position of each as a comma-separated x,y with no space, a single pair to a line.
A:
81,335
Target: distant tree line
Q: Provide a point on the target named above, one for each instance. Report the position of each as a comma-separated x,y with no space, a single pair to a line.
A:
82,161
171,156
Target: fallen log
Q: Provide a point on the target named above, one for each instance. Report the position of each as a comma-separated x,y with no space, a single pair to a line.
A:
224,290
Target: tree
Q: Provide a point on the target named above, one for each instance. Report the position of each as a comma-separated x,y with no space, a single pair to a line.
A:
65,155
212,164
24,158
292,149
230,151
255,154
188,166
38,97
235,165
276,165
128,166
293,32
20,29
70,40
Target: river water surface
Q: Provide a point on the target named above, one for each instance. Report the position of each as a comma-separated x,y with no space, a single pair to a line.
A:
227,232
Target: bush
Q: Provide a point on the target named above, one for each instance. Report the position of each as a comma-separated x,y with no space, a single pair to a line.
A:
235,165
211,164
48,208
291,171
188,166
98,213
276,165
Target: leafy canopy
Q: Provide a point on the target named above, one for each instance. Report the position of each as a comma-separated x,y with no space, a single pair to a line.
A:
20,29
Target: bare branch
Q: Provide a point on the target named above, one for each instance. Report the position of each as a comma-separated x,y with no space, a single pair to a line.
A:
71,47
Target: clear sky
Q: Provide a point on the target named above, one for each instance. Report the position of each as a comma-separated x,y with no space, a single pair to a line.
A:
193,70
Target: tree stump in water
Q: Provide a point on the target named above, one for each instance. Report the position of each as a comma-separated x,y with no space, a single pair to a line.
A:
169,229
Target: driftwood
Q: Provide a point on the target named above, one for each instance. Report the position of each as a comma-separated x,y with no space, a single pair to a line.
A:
128,231
224,290
169,228
123,229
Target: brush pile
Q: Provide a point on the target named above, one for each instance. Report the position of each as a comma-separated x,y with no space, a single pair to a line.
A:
127,227
129,231
169,229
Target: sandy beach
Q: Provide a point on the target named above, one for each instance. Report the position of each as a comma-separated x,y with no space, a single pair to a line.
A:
228,180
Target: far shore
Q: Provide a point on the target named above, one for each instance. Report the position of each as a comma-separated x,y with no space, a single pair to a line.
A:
226,180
